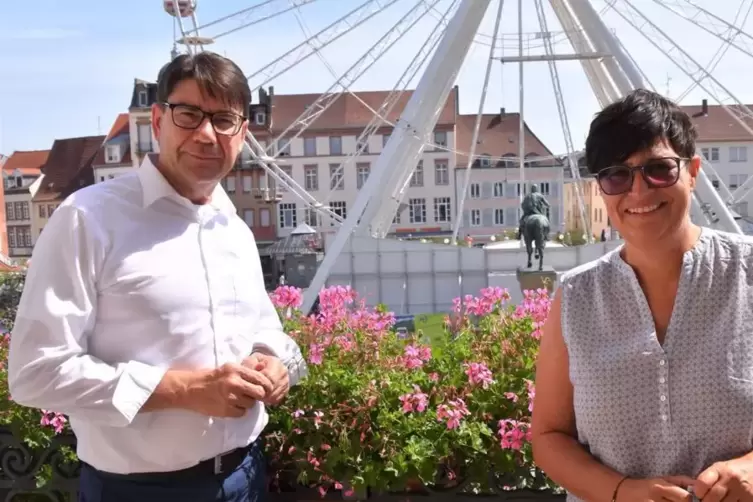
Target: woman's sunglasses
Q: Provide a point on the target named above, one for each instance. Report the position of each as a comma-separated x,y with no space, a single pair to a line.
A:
657,173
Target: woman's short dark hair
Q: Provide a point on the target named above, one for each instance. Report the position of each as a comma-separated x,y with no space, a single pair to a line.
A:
217,76
634,124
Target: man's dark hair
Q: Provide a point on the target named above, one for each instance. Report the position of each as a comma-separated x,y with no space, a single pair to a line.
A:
217,76
636,123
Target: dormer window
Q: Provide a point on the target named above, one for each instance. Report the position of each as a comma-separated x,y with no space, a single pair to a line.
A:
19,181
143,98
485,161
260,118
112,154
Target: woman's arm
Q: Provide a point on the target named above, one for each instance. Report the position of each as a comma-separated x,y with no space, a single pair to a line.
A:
555,447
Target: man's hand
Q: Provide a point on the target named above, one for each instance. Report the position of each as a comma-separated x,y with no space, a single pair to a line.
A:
275,371
227,391
731,480
670,488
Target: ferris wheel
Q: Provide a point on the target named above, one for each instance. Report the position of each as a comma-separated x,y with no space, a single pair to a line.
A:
552,32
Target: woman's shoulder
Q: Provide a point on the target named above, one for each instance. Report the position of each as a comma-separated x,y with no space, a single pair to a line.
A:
725,245
587,272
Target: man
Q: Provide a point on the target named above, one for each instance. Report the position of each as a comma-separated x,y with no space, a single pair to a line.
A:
145,319
533,203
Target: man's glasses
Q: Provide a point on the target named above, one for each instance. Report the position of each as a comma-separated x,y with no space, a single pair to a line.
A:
657,173
191,117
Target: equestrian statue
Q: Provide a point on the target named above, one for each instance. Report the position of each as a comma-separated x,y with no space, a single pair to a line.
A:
534,224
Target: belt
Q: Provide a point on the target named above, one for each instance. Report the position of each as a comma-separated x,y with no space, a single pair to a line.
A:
221,465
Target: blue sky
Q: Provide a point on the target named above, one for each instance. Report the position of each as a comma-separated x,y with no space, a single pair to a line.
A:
68,67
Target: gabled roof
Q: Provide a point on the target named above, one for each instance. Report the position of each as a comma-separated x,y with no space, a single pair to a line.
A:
498,137
120,132
68,167
29,162
347,112
714,123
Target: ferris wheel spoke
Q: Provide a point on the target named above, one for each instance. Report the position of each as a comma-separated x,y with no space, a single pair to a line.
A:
356,71
380,116
282,9
685,62
321,39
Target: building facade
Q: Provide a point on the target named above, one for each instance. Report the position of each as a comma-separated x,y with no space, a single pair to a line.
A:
68,169
114,156
594,208
728,146
20,180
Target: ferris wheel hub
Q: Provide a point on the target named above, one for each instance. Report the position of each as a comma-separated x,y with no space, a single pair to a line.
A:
195,40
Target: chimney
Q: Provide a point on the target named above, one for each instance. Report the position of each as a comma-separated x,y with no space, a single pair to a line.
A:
705,107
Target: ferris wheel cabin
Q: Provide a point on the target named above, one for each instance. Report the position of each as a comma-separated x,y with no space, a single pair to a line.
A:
186,8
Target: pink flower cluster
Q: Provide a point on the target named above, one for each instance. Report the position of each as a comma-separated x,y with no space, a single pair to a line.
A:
536,304
416,401
479,374
415,357
513,434
490,299
54,420
452,413
287,297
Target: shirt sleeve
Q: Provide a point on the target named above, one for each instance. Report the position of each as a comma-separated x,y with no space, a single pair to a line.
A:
269,337
48,363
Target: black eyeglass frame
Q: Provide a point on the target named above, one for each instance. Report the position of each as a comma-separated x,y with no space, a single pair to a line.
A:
205,115
642,170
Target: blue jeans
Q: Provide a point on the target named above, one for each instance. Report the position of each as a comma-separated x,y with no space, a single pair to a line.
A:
247,483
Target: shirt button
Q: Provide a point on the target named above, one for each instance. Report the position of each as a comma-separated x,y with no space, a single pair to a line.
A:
663,398
664,418
661,380
662,362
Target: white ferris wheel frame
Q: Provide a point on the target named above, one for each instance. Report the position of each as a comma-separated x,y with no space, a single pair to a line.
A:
610,70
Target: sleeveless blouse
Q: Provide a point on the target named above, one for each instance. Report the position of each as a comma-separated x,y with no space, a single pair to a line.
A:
649,410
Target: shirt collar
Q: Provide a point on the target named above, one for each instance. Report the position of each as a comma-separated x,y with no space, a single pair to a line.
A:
155,187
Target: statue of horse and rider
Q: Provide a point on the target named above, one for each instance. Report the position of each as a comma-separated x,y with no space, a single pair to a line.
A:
534,224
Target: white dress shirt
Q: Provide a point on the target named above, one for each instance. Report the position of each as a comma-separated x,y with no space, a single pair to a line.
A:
127,280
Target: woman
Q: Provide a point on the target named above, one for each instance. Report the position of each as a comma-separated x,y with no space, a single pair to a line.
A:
644,385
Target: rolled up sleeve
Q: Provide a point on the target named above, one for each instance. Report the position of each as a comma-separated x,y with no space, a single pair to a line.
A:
48,365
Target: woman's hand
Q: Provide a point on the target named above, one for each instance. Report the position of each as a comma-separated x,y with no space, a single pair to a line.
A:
726,481
670,488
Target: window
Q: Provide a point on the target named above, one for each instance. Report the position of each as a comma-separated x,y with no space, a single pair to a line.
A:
475,191
339,208
545,189
23,237
738,154
311,177
475,217
9,214
112,154
362,173
247,182
143,98
230,184
19,181
25,210
311,217
336,177
710,154
485,161
385,139
260,118
283,147
362,145
335,145
735,180
499,217
144,134
11,237
288,216
50,209
18,208
265,217
441,173
442,210
417,210
309,147
289,171
499,189
262,180
417,178
440,138
42,211
248,217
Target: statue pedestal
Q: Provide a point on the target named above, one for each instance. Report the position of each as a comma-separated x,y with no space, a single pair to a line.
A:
533,278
